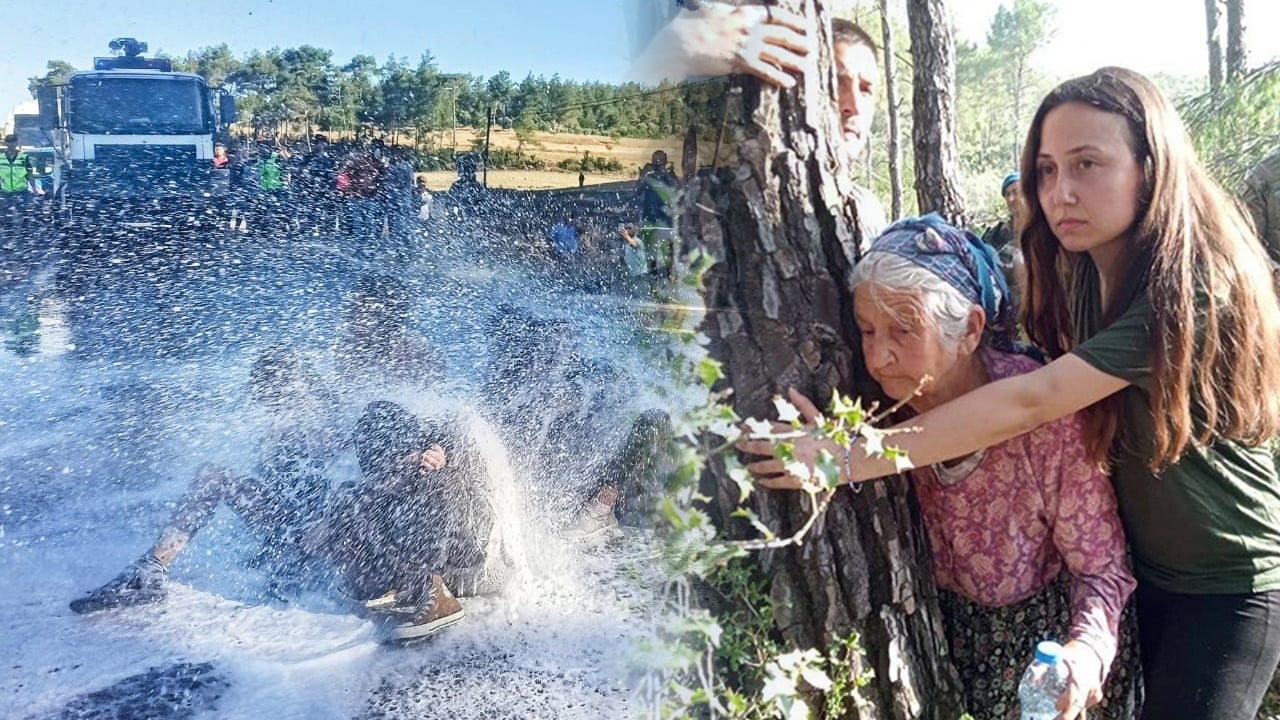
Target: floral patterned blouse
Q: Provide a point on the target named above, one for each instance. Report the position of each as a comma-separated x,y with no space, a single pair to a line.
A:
1004,523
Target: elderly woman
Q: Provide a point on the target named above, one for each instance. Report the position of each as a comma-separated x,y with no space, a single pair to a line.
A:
1025,538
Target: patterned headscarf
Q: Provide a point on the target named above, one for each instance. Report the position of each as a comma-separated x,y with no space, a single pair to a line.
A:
965,263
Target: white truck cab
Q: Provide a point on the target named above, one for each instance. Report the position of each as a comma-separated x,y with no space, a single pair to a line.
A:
132,134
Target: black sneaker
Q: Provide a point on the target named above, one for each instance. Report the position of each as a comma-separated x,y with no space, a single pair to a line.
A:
142,583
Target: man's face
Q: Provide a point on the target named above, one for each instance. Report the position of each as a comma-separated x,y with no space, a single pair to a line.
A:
1013,199
856,79
11,146
659,159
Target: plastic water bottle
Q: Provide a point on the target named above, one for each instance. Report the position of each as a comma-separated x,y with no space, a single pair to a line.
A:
1043,683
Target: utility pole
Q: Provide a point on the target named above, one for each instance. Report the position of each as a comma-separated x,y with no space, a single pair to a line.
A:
488,125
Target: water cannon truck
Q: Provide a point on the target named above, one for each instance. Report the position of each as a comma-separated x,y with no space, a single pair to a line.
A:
134,141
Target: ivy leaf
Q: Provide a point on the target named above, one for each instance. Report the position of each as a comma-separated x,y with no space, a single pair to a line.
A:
710,371
874,438
799,710
799,469
742,479
901,462
816,678
787,412
850,412
829,469
759,429
777,688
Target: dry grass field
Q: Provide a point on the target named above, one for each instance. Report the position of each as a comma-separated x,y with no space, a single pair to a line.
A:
525,179
552,148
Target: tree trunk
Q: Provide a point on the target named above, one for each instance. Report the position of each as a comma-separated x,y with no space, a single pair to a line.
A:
1236,56
891,92
1019,90
934,110
783,239
1213,38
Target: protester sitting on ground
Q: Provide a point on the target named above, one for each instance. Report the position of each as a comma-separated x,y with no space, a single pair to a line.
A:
1025,537
631,480
1152,293
377,341
422,526
1006,236
567,421
283,497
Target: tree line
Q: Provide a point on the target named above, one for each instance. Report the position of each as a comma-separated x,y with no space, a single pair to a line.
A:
304,87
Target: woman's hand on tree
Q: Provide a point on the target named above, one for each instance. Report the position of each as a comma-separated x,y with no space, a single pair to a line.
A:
1084,684
772,472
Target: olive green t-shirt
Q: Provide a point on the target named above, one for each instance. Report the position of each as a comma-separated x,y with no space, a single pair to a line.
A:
1207,524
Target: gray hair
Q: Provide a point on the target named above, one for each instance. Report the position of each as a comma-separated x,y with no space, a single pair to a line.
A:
942,303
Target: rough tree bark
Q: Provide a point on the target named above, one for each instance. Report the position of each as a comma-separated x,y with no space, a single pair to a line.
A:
891,96
1213,39
1236,56
784,237
933,51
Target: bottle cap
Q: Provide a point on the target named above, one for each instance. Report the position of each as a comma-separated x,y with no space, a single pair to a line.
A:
1048,652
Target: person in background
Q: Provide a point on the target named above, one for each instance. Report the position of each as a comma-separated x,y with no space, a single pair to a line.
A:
563,237
220,157
655,188
359,179
402,211
272,202
1261,195
316,184
1005,237
16,175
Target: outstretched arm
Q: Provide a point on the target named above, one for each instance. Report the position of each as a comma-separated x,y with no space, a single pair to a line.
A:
979,419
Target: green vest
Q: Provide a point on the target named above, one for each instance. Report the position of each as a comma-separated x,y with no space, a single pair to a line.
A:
269,173
13,173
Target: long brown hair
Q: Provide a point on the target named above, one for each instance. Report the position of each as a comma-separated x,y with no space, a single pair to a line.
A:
1214,321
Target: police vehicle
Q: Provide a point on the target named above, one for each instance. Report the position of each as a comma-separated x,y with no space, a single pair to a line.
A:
135,140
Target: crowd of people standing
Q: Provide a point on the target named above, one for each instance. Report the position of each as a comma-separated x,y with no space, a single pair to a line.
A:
365,189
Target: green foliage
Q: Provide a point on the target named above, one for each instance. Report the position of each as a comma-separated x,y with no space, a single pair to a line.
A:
591,163
56,74
997,93
1238,126
304,85
722,654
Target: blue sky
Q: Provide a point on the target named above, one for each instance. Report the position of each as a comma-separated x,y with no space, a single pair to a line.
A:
579,39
